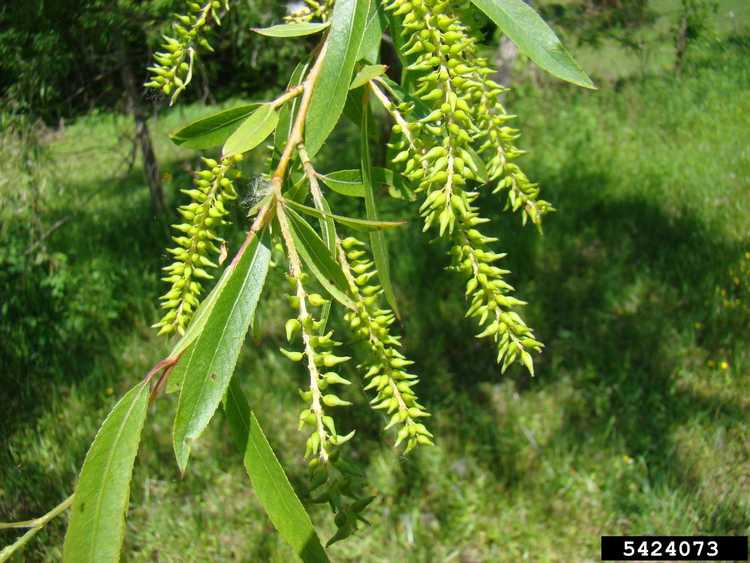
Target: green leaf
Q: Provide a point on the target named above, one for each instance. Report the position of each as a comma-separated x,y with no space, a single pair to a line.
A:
269,481
345,182
318,258
327,226
353,105
352,222
370,47
534,38
259,125
97,521
349,182
377,238
292,29
366,74
299,188
209,365
177,375
328,99
212,131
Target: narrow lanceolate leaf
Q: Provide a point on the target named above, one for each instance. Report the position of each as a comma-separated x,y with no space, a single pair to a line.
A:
210,361
292,29
328,99
349,182
212,131
373,34
534,38
377,238
177,374
253,131
366,74
299,189
97,520
355,223
318,259
269,481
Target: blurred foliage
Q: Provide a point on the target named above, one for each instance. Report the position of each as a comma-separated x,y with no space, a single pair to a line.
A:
60,59
591,21
696,17
57,302
594,22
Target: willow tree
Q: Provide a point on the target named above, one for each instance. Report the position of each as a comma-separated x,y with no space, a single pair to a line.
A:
452,145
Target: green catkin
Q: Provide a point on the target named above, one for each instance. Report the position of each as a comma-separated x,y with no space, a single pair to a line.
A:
499,151
440,150
451,137
318,355
173,70
196,239
386,373
333,478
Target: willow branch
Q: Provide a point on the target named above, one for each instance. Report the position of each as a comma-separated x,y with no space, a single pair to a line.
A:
34,526
295,271
298,129
288,95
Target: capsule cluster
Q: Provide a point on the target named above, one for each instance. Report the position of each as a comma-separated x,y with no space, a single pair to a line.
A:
386,373
488,294
173,70
311,10
317,351
197,238
498,151
333,478
446,52
457,125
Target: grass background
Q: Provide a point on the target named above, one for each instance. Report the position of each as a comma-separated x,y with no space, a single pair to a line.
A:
635,423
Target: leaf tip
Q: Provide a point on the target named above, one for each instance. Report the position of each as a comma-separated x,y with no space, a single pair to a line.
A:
182,454
587,83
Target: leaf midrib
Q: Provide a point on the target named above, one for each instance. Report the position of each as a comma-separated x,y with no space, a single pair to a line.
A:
191,418
348,42
110,457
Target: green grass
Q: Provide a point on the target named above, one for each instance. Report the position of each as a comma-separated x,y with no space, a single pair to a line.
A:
639,287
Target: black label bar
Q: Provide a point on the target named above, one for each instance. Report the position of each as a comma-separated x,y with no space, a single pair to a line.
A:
674,548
